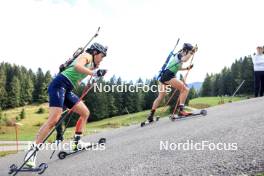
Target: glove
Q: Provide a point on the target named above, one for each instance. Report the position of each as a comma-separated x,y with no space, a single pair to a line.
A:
99,73
190,67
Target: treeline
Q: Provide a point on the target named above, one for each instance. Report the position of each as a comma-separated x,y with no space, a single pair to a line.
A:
20,86
226,82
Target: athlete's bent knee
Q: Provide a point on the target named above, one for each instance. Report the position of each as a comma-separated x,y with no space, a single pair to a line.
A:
86,114
185,89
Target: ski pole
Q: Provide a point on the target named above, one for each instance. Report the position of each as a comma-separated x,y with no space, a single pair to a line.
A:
237,90
185,78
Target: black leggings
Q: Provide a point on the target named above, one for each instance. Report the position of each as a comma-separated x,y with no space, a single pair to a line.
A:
259,83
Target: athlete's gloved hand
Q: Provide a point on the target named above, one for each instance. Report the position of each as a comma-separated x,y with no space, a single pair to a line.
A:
190,67
99,73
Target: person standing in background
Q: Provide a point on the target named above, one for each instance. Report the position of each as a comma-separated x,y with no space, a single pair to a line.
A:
258,62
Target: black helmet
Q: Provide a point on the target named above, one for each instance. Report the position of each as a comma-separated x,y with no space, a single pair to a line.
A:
187,47
98,47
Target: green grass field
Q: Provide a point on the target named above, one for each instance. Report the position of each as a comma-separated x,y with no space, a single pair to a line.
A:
33,120
205,102
30,124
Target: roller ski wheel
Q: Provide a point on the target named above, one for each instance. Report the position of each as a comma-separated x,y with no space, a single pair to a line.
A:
102,141
203,112
42,167
172,117
62,155
142,124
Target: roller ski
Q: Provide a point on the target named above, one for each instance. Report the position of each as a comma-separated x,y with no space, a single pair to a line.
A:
40,169
184,114
150,121
29,164
80,146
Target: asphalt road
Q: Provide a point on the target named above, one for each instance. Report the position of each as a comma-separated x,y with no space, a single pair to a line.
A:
236,128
